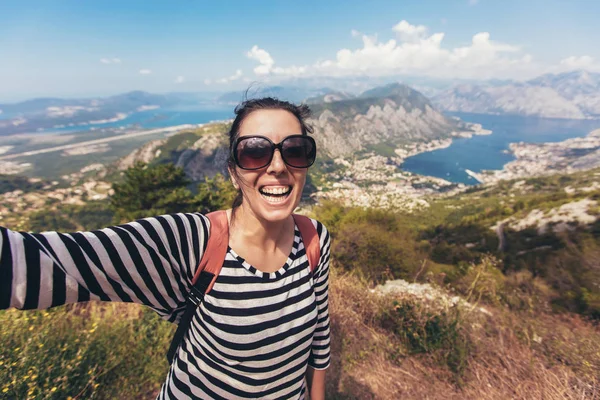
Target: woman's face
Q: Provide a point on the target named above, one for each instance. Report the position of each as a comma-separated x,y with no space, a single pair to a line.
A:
273,192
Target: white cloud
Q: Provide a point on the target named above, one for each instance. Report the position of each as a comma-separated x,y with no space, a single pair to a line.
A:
408,32
238,74
145,71
180,79
473,2
208,82
267,64
113,60
416,51
573,62
263,57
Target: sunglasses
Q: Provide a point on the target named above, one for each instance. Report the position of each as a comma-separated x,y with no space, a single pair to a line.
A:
256,152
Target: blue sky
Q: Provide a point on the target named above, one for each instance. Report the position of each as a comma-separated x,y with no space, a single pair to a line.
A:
85,48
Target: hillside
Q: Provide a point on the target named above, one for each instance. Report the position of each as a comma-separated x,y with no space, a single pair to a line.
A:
457,317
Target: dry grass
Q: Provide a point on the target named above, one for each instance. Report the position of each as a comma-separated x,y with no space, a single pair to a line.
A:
511,356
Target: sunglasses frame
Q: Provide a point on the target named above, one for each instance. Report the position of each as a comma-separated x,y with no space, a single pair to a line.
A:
274,146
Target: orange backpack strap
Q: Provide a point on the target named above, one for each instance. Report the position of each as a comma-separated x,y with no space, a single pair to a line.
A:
214,254
310,237
205,276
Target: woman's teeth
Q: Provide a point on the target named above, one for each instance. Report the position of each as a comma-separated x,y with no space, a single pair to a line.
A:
275,194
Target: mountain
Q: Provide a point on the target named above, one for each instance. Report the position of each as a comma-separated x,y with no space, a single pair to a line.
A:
572,95
580,87
46,113
378,120
383,117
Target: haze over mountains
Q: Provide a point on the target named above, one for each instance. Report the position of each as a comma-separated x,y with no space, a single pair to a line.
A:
572,95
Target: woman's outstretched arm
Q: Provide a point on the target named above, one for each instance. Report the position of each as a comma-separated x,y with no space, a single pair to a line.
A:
150,261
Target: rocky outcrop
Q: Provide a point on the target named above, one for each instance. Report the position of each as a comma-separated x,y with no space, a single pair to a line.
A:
146,153
205,158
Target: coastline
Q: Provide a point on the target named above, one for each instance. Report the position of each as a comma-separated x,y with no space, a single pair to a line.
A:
542,159
437,144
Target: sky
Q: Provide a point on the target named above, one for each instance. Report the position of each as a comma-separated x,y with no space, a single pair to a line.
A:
74,48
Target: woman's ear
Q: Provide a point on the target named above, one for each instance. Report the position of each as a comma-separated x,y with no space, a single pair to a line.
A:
233,180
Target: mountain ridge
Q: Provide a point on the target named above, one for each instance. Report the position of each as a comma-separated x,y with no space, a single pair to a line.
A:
571,95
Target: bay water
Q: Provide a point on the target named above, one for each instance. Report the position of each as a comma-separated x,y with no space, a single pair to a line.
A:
491,152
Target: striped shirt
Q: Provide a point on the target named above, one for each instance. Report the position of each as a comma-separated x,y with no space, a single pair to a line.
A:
253,335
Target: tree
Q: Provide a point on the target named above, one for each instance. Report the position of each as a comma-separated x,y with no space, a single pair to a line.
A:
150,191
215,194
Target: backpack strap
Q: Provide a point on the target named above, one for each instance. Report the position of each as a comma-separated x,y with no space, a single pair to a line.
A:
206,274
310,237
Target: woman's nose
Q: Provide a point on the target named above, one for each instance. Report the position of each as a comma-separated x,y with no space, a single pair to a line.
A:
277,165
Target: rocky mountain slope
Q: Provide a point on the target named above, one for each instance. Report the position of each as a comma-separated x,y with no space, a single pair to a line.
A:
387,116
574,95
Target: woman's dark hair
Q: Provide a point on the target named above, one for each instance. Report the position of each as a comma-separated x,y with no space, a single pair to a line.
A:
301,112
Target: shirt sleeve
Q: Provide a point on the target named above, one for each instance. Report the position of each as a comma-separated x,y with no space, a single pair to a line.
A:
150,261
320,353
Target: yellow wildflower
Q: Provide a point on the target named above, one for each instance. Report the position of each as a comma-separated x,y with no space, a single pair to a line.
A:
53,389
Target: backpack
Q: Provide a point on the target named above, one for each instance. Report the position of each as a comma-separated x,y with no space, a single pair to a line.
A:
212,262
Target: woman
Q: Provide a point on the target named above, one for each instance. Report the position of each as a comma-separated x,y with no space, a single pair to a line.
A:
264,326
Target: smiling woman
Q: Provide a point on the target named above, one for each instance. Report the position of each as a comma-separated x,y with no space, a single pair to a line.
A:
262,329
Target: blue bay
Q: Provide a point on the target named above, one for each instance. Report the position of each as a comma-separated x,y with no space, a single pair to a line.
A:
491,151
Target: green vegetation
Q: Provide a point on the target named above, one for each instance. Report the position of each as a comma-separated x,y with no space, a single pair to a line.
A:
177,144
69,218
150,190
383,149
442,243
100,351
9,183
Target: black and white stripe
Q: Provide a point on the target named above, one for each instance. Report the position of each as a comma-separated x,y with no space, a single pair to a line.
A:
252,337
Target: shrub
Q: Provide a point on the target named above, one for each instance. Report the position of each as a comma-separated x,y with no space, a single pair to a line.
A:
425,330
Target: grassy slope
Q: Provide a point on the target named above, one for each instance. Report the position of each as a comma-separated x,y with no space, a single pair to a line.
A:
110,351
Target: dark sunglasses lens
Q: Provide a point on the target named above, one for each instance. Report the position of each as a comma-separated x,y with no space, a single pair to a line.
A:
254,153
299,152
